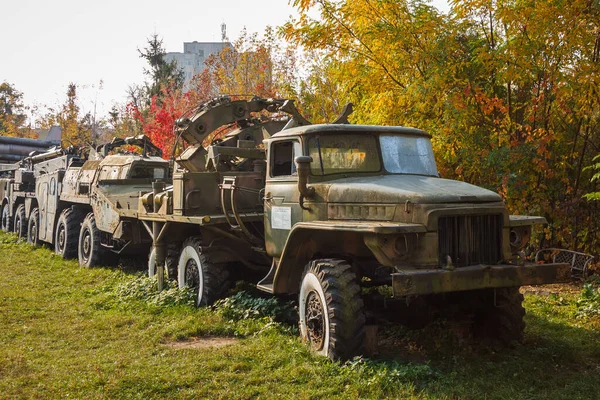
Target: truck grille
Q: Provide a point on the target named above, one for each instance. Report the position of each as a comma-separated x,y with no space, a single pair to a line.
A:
470,240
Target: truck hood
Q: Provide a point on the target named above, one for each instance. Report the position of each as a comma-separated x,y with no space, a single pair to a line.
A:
400,188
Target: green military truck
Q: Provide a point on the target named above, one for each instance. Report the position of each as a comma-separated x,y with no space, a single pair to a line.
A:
326,211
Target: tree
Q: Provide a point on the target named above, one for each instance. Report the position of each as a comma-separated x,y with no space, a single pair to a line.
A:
508,89
12,112
77,129
161,73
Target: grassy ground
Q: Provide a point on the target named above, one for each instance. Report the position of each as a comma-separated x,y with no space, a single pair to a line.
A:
97,333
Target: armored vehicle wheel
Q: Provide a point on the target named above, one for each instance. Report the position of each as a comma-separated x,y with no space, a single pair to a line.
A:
67,234
20,225
90,250
32,227
331,309
6,220
501,319
195,270
172,260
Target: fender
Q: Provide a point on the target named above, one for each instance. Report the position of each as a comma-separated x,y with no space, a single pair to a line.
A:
307,239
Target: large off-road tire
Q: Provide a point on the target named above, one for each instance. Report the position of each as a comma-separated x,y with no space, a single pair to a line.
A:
171,262
331,309
20,223
501,320
33,226
5,218
90,250
66,237
195,270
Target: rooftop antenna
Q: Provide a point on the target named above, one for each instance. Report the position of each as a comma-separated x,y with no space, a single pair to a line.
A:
223,32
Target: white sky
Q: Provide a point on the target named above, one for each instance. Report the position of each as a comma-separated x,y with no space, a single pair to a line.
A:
45,44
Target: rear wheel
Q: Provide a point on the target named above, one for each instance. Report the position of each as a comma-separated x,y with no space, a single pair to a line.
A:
5,218
331,309
32,227
89,249
210,281
20,224
67,234
171,261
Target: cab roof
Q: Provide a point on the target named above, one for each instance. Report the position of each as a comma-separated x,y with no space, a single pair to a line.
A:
348,128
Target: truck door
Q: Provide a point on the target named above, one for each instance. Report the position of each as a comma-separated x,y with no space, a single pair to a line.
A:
52,205
282,210
48,203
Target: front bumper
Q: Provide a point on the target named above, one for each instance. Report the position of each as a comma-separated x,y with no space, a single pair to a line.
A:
429,281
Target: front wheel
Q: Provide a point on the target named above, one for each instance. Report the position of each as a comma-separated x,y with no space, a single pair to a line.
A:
90,250
210,281
5,218
501,315
331,310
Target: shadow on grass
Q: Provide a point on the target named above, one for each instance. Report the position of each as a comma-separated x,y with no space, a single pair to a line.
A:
556,361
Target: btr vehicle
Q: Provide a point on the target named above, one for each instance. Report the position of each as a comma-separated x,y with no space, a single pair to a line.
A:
17,189
86,206
326,212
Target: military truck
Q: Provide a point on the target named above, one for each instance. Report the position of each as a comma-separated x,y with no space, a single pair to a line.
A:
86,206
327,211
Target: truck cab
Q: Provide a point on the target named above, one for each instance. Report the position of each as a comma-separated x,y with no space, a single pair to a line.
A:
347,205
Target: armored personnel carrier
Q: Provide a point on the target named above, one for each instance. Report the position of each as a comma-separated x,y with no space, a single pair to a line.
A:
84,205
326,211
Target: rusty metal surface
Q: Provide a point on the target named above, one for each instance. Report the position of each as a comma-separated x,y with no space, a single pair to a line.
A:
362,226
525,220
397,189
413,282
337,128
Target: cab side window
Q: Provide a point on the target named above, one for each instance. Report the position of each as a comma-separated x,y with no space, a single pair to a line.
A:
282,158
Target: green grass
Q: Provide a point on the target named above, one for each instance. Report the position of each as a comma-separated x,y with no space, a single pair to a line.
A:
71,332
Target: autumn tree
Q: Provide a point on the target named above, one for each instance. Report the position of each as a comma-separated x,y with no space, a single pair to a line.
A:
509,91
77,128
12,112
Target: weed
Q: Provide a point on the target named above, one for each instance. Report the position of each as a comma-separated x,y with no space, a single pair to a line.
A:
588,302
145,289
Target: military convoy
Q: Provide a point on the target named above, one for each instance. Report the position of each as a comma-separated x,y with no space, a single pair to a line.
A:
324,212
82,204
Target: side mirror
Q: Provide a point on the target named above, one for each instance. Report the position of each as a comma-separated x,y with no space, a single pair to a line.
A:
303,169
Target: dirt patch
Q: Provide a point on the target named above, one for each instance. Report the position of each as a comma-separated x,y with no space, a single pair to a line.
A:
204,342
556,288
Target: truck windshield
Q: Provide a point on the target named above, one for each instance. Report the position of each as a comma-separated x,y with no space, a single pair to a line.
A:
333,154
408,155
142,171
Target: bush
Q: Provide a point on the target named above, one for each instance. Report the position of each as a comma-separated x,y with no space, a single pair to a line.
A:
244,305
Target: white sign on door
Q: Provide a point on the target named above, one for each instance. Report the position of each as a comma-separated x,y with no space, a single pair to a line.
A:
281,218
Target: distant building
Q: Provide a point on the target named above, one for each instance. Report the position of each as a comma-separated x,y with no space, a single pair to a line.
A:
191,61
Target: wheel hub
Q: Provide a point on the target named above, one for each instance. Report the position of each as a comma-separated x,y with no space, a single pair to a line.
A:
192,277
4,222
86,244
61,237
315,321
